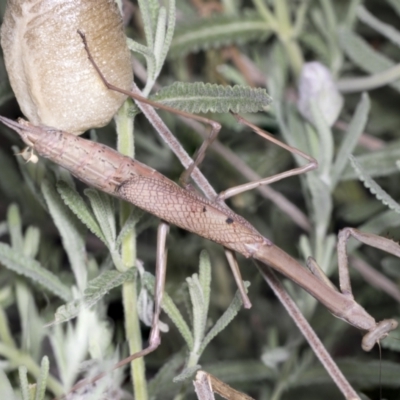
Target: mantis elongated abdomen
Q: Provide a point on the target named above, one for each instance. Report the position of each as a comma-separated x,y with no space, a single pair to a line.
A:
109,171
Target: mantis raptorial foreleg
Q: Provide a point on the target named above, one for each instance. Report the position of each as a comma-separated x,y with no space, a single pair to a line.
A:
379,242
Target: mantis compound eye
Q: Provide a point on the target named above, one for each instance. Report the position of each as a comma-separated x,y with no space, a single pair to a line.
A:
52,78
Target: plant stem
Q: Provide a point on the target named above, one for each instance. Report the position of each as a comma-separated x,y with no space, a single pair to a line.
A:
128,254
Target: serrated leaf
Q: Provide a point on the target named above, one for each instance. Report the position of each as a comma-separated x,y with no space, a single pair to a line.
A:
23,382
202,98
376,164
225,320
30,268
77,205
374,188
216,32
97,288
205,278
170,309
130,223
70,233
198,309
104,211
41,383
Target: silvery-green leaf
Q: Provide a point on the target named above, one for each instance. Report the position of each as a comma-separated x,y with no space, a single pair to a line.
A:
15,226
70,232
374,188
77,205
103,209
171,310
205,278
41,383
163,378
384,29
96,289
356,128
186,373
376,164
30,268
225,319
23,382
364,56
6,391
198,309
31,323
202,97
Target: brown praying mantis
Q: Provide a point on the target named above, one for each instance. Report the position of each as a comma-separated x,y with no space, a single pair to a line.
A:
107,170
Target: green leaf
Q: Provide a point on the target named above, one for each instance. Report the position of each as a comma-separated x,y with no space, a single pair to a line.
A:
199,309
15,226
364,56
216,32
31,324
356,128
70,233
325,143
169,33
41,383
202,98
187,373
396,5
23,382
225,319
6,391
23,265
162,381
95,291
376,164
31,241
130,223
78,206
170,309
374,188
103,209
384,29
358,372
149,10
240,371
205,278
